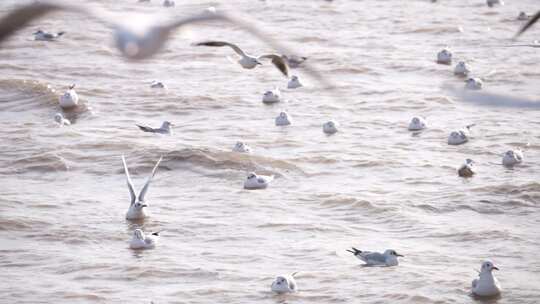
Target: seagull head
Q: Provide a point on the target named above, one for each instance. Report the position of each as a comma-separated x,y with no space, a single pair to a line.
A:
281,284
488,266
58,117
251,176
392,252
139,205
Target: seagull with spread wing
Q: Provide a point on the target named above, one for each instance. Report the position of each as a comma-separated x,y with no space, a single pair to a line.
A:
137,207
247,61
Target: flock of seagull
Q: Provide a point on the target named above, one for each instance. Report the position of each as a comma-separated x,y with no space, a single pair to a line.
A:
139,47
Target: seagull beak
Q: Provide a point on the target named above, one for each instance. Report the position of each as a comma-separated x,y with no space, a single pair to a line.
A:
494,268
399,255
144,205
259,63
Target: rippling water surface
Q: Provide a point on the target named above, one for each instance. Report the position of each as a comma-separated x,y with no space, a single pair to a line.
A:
373,185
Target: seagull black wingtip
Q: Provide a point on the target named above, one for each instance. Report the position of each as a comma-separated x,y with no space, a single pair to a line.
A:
533,20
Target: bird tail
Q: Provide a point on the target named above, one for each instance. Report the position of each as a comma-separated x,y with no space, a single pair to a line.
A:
354,251
60,33
143,128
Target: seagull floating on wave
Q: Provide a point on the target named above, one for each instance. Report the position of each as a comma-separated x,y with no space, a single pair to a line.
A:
388,258
512,157
466,170
294,83
142,241
60,120
284,284
137,207
255,181
164,129
272,96
417,123
69,99
461,136
44,36
487,284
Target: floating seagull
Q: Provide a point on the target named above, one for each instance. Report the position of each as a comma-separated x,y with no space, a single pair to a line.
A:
473,84
142,241
388,258
492,3
461,136
523,16
137,207
44,36
272,96
164,129
69,99
417,123
528,24
284,284
486,285
241,147
462,69
168,3
60,120
293,61
294,83
444,56
466,170
330,127
512,157
283,119
255,181
157,85
248,61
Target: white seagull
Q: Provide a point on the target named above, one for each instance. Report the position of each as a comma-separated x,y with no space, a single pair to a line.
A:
330,127
241,147
461,136
512,157
388,258
417,123
462,69
60,120
466,170
284,284
473,84
283,119
444,56
142,241
44,36
294,83
247,61
164,129
157,85
486,285
272,96
137,207
69,99
255,181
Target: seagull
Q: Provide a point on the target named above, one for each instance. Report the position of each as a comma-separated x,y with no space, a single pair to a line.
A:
512,158
272,96
142,241
417,123
255,181
241,147
330,127
473,84
168,3
466,170
523,16
283,119
137,206
491,3
284,284
44,36
164,129
293,61
462,69
486,285
444,56
247,61
69,99
60,120
294,83
388,258
461,136
157,85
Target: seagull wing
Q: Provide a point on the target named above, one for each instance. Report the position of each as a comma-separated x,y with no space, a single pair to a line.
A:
145,128
145,188
373,258
222,43
129,182
528,24
278,61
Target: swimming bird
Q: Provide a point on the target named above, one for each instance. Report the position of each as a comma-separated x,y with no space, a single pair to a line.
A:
330,127
283,119
137,207
248,61
164,129
492,3
142,241
462,69
294,83
272,96
255,181
388,258
60,120
168,3
69,99
523,16
512,157
241,147
466,170
473,84
444,56
417,123
284,284
461,136
157,85
44,36
487,284
293,61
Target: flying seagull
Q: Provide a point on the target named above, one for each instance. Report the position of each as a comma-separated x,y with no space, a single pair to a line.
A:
248,61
